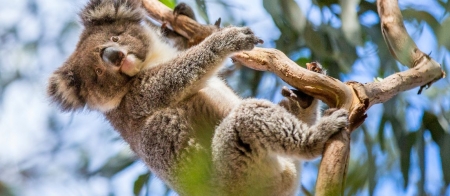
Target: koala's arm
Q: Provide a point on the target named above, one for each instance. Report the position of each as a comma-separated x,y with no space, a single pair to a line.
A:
177,79
305,107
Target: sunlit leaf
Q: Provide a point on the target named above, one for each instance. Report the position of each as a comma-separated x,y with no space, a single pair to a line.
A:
378,79
169,3
140,182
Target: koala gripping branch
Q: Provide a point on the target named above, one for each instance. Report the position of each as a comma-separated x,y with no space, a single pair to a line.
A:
354,96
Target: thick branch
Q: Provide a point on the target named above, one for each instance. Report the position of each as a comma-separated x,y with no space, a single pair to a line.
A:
316,85
334,164
181,24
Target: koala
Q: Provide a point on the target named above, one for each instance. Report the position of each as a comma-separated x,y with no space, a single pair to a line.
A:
178,116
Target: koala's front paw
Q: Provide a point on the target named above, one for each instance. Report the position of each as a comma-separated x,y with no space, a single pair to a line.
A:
235,39
334,120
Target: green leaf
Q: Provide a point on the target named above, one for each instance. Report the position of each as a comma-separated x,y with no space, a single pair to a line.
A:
445,160
5,190
356,176
203,11
288,17
344,52
431,122
365,6
407,141
438,134
286,14
442,34
116,164
169,3
302,61
323,3
318,41
381,131
140,182
371,163
445,4
350,21
421,16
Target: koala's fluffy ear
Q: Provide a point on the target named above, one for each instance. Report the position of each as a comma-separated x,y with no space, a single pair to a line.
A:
64,89
99,12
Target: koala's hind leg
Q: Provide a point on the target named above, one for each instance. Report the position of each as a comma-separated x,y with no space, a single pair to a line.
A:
251,136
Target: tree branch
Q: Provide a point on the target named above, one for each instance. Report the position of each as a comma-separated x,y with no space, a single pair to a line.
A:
183,25
354,96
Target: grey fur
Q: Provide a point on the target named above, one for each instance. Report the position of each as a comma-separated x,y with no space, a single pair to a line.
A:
176,114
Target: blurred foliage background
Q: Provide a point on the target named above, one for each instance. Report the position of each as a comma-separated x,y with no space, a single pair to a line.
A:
403,148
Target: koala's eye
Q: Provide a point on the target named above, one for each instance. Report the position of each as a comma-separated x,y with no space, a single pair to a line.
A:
115,38
98,71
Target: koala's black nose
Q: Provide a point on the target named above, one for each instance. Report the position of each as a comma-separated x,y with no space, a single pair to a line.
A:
113,55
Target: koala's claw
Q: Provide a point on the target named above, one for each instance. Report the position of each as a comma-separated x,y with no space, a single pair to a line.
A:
260,41
298,96
335,120
235,39
341,116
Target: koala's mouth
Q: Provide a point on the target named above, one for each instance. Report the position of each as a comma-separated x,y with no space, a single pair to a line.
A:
122,60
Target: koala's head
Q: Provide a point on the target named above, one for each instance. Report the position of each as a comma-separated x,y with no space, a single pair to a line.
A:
113,47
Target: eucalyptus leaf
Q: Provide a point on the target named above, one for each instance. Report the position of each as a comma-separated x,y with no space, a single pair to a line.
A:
169,3
203,11
140,182
422,16
290,20
350,22
442,139
380,132
286,14
115,165
442,34
323,3
356,176
405,144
